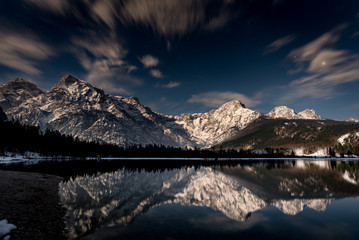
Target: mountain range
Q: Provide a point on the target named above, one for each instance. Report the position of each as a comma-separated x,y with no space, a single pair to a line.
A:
75,107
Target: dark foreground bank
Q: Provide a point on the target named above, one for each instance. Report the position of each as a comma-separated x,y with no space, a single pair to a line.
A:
30,201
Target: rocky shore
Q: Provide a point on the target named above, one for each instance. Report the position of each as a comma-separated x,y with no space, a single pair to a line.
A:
31,202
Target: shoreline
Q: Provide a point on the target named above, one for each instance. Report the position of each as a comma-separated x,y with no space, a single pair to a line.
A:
31,202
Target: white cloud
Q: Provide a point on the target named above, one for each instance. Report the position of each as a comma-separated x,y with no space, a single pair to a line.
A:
324,66
175,18
22,51
156,73
103,59
279,43
149,61
216,99
168,85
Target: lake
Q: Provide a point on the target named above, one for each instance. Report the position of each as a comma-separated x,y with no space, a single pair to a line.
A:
287,199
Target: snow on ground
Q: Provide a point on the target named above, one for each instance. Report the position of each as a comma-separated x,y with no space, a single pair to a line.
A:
343,138
318,153
5,229
17,158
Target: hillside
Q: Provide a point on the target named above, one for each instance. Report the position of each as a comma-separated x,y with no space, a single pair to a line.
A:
308,135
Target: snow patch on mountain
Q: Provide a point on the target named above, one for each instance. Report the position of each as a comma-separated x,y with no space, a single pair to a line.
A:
288,113
320,152
352,120
309,114
207,129
349,138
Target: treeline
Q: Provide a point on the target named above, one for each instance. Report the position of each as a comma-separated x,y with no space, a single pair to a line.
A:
17,138
347,149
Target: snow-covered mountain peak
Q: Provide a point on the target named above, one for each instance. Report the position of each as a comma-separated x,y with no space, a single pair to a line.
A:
77,108
235,104
20,84
16,92
352,120
210,128
68,80
288,113
282,112
309,114
74,89
74,85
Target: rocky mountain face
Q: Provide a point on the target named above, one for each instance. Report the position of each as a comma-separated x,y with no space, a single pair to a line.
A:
77,108
207,129
302,136
17,91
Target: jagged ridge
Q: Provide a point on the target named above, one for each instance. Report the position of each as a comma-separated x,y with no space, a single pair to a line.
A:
77,108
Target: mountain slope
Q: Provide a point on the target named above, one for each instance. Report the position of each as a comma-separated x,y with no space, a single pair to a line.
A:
16,92
311,135
77,108
213,127
74,107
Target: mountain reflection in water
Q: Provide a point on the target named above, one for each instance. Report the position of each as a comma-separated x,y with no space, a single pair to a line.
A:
117,198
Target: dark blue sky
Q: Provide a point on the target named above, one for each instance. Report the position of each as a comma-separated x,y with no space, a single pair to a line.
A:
191,56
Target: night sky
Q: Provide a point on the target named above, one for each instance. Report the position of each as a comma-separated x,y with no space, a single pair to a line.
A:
191,56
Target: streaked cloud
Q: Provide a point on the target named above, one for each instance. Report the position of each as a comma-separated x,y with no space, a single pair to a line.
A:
55,6
324,67
105,11
100,11
156,73
175,18
165,17
23,51
149,61
279,43
217,98
103,57
168,85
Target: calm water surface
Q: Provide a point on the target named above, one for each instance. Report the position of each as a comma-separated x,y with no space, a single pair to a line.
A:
299,199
